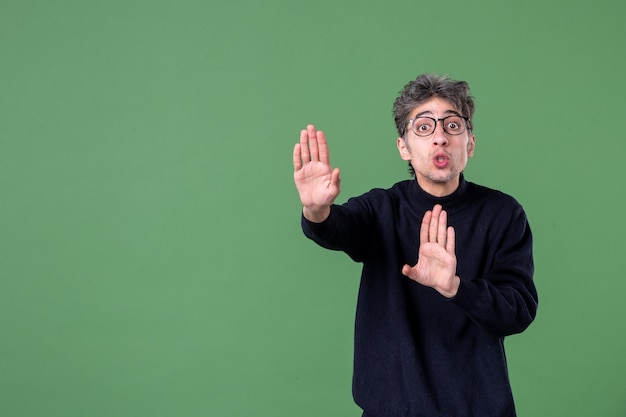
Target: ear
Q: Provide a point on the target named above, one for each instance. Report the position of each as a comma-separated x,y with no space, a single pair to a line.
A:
403,149
471,145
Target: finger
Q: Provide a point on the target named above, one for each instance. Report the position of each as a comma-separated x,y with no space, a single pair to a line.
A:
313,145
434,224
323,148
442,233
305,156
424,229
451,243
297,159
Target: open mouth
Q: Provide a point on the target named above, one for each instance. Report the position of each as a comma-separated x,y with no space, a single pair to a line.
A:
441,161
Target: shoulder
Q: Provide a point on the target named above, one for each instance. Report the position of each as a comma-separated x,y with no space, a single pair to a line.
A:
376,196
500,207
481,193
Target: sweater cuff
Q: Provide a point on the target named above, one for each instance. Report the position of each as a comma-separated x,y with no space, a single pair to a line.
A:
465,295
316,228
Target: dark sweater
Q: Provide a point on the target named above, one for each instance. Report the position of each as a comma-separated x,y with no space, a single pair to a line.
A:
416,352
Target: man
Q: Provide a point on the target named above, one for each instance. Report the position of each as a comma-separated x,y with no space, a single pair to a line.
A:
447,264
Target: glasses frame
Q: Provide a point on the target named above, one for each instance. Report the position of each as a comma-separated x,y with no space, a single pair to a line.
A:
468,125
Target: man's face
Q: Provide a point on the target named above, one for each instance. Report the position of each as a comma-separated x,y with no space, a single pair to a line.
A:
438,159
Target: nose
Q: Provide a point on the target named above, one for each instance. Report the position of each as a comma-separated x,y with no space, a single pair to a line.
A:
440,138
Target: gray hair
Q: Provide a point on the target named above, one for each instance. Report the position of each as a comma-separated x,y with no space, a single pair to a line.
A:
427,86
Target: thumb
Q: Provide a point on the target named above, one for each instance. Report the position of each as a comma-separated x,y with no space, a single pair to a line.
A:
335,182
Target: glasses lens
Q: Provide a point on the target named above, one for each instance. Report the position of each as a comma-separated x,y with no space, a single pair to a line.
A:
423,126
454,125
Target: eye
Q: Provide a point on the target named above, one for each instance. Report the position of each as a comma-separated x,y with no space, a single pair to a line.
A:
423,126
454,124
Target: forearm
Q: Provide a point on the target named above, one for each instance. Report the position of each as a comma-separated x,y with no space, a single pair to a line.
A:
502,310
338,231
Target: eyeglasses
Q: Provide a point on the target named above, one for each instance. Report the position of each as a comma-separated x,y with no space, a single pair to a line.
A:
452,125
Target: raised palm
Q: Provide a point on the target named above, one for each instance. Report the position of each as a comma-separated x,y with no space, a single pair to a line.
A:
317,182
436,265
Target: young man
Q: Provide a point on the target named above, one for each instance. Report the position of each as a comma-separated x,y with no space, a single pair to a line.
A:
447,264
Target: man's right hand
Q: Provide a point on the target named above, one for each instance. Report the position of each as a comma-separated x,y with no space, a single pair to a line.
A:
317,182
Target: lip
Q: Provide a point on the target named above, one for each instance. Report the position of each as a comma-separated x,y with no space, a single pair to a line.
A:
441,159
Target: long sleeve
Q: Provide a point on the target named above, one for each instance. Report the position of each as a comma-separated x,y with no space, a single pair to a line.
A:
504,301
348,228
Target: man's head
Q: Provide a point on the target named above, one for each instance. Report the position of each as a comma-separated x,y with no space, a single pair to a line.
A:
433,117
425,87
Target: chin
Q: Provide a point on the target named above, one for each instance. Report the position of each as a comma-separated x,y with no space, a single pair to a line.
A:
443,179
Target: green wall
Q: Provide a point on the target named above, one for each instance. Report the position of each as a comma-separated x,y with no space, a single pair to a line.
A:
151,261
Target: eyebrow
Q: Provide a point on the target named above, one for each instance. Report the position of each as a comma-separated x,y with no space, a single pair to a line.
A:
446,113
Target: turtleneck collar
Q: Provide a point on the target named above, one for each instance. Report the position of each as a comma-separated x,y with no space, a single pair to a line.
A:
452,202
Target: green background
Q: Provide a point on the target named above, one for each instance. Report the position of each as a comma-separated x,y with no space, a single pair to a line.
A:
151,258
